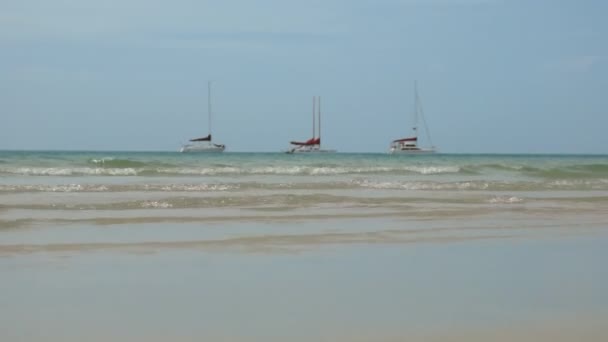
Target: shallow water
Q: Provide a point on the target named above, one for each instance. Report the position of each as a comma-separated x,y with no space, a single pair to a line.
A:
34,184
550,289
104,246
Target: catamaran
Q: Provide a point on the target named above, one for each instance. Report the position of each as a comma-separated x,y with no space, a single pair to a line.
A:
312,145
409,145
204,144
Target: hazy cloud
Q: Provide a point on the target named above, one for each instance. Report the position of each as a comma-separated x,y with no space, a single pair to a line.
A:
580,64
31,19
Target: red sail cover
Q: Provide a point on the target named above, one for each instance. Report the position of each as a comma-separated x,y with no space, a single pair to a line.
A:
207,138
311,141
406,139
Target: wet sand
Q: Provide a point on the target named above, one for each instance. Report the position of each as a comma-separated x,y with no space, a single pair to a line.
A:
500,277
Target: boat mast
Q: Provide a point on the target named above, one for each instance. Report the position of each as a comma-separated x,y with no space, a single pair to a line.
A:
415,109
426,127
319,121
314,114
209,106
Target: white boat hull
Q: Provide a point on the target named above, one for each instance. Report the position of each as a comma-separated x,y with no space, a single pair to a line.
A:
306,149
411,152
202,148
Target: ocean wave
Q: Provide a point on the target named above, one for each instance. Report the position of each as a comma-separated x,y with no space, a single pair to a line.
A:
54,188
501,166
505,200
518,169
250,202
584,171
485,185
314,170
320,185
132,170
156,205
396,185
414,204
126,167
117,163
69,171
548,171
19,188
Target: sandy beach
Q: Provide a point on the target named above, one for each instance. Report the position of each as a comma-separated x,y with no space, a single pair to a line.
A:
324,279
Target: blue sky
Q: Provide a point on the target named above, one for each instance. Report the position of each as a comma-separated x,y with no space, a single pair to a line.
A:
494,75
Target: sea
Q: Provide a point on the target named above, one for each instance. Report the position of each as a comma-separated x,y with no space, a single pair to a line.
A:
59,188
345,182
157,246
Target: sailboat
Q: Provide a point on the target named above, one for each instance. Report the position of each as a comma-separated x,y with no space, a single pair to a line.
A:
312,145
409,145
204,144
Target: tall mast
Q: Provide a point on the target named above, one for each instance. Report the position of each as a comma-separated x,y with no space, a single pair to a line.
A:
319,121
314,98
209,104
416,108
426,127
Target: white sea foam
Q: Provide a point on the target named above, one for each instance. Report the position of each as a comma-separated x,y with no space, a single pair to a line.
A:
116,188
71,188
103,170
505,200
102,160
432,170
279,170
156,204
55,171
309,170
194,187
415,185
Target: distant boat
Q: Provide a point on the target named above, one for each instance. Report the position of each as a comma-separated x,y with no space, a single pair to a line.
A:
312,145
204,144
409,145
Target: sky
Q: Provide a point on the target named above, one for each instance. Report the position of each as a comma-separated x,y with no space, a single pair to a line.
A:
494,76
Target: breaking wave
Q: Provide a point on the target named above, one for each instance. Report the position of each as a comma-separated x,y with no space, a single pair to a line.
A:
505,200
352,184
464,168
130,169
571,171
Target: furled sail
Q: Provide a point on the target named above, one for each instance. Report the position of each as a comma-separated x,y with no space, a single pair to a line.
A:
311,141
406,139
207,138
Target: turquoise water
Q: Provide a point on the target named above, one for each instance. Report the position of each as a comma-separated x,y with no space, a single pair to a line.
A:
133,187
166,180
142,171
